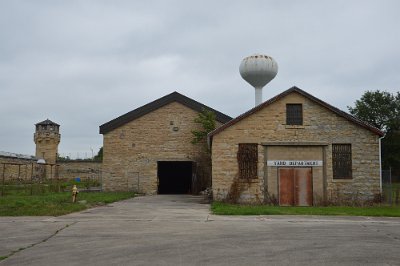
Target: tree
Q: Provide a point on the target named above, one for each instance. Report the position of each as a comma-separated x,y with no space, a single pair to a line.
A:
379,108
382,110
62,158
206,123
391,151
99,156
206,120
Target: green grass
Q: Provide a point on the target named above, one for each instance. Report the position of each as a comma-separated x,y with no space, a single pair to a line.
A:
235,209
55,204
394,188
25,187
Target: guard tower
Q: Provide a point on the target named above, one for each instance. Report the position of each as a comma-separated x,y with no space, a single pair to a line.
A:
47,138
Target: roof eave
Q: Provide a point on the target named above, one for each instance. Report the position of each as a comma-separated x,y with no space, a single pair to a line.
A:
156,104
333,109
47,122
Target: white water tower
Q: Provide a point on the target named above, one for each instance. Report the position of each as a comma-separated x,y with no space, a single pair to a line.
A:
258,70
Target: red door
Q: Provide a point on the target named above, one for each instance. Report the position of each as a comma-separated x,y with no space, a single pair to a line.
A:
295,187
286,185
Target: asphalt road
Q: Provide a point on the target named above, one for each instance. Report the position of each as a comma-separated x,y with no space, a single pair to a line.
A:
178,230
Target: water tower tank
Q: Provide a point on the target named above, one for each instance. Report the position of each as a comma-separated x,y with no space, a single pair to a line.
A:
258,70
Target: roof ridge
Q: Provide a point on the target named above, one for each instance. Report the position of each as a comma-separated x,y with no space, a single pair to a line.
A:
47,122
305,94
156,104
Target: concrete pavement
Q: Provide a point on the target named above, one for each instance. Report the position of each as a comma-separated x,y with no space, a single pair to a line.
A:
178,230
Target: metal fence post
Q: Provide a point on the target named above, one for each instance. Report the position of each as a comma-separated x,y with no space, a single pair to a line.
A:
138,183
390,186
31,179
2,187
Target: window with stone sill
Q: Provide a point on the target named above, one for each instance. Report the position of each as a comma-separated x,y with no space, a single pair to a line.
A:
341,161
247,157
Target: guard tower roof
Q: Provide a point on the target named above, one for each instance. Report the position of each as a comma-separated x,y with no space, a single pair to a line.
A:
47,122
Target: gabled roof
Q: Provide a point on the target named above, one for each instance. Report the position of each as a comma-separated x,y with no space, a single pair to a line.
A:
308,96
145,109
47,122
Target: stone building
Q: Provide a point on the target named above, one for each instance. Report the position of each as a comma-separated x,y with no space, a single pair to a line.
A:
295,149
47,137
25,167
149,149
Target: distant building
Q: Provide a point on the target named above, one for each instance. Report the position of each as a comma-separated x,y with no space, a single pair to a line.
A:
295,149
47,137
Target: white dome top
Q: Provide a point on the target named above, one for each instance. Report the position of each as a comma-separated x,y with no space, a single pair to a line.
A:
41,161
258,69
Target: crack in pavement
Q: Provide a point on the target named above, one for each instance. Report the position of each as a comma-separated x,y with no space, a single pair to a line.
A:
12,253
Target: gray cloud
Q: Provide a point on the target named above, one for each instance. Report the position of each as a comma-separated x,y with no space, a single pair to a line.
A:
83,63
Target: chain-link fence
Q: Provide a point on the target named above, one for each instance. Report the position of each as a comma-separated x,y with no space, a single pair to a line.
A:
34,179
28,179
390,187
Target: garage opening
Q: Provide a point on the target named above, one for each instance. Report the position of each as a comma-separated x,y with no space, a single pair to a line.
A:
175,177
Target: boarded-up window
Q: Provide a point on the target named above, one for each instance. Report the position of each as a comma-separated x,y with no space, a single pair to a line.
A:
247,159
341,161
294,114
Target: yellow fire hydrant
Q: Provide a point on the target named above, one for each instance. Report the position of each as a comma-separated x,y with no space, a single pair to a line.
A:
74,193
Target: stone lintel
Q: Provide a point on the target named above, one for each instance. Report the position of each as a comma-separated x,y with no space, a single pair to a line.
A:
295,143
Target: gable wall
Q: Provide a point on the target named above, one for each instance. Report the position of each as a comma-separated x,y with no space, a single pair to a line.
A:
319,125
131,151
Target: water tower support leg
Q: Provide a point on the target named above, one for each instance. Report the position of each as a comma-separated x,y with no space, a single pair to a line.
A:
258,96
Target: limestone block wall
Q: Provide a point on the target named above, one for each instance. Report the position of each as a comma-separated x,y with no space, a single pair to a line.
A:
12,167
131,152
47,145
82,169
15,168
268,125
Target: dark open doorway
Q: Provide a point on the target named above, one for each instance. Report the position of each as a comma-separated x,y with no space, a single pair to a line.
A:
175,177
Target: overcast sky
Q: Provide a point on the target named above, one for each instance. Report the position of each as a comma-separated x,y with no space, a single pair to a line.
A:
83,63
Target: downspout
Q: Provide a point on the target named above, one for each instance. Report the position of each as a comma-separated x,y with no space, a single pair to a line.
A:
380,163
209,144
